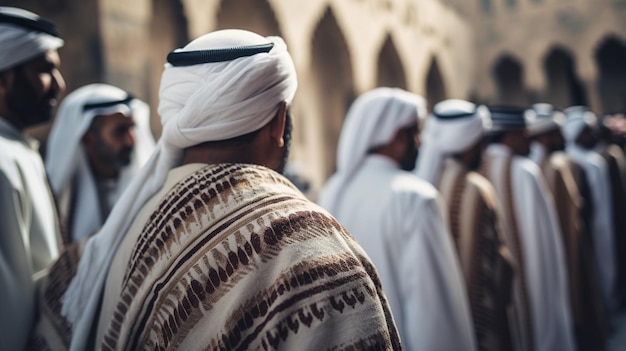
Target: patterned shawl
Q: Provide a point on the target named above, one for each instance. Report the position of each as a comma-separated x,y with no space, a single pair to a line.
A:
235,257
487,264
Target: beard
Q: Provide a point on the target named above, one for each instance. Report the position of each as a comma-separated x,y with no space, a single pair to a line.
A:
115,160
287,140
409,157
21,101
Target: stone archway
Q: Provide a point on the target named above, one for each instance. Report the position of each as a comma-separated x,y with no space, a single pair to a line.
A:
611,61
253,15
390,72
435,85
331,85
508,74
168,31
564,88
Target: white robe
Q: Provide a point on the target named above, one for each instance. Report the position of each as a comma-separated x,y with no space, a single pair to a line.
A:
542,248
398,219
597,173
29,234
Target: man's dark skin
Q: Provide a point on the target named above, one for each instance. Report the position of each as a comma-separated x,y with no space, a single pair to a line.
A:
29,91
267,147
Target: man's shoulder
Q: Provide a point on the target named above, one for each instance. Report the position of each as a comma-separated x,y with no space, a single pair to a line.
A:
481,187
526,166
13,158
406,185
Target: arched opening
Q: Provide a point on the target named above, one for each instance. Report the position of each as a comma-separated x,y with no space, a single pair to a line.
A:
508,74
168,31
390,69
253,15
435,86
332,85
564,88
611,61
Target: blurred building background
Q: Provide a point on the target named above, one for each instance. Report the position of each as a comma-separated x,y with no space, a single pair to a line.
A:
492,51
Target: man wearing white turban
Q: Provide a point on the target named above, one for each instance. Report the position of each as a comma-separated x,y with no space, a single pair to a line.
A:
29,232
579,140
98,142
399,220
531,232
209,246
567,183
452,144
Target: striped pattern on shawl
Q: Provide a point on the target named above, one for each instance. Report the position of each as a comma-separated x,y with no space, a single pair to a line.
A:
573,204
235,257
486,262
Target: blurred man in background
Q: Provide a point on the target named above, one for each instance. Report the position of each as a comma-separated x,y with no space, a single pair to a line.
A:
30,82
532,230
399,220
98,142
452,145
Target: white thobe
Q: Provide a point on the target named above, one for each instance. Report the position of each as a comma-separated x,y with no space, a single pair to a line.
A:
541,245
29,233
398,219
597,172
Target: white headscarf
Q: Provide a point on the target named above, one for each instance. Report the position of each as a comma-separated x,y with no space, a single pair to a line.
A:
66,157
542,118
578,117
453,127
373,120
19,43
198,103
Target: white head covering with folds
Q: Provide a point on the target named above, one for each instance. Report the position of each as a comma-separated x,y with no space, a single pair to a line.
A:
199,103
67,159
443,137
578,117
372,121
21,44
542,118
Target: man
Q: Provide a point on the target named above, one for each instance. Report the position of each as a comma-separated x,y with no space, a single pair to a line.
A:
453,141
569,189
578,132
93,153
29,233
399,220
532,232
614,156
211,248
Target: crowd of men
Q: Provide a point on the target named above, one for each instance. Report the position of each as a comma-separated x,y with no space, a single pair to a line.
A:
470,228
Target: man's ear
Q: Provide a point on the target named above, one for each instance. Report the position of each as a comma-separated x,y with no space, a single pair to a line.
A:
277,125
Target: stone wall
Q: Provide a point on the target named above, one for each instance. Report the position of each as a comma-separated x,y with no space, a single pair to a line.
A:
341,49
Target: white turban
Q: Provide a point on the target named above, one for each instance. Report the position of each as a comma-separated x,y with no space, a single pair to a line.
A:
66,157
372,121
577,118
542,118
198,103
453,127
23,36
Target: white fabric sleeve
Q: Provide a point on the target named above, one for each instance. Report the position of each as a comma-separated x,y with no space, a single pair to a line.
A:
435,300
544,259
17,291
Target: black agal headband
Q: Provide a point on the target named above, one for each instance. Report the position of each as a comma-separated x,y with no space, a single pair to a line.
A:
190,58
38,24
106,104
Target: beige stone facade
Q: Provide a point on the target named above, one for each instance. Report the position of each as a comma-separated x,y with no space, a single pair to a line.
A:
493,51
